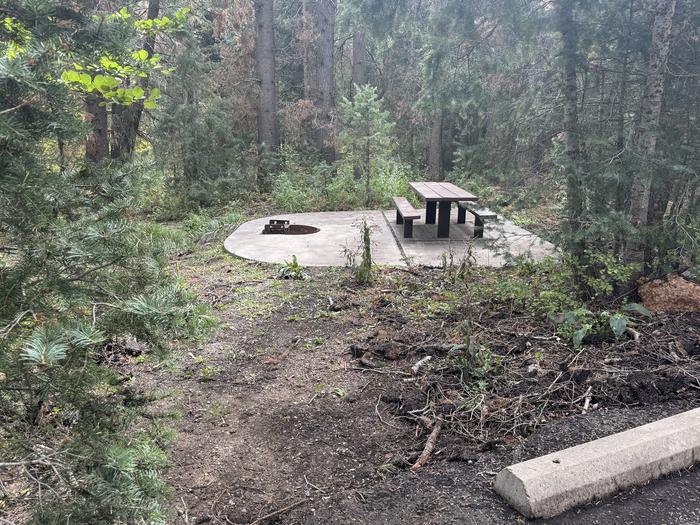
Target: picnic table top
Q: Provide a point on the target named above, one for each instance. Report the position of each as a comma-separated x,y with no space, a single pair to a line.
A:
441,191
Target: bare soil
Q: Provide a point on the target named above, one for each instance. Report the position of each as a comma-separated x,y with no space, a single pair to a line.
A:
303,408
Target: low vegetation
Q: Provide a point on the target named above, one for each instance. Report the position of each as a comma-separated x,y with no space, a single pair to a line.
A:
134,138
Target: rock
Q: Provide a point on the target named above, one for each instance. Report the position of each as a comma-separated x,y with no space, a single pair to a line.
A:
673,294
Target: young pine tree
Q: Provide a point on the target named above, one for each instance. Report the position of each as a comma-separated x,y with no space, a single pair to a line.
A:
366,134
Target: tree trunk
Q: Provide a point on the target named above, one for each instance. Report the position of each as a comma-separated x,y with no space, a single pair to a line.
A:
127,119
97,142
621,195
647,132
435,147
359,79
265,65
624,44
359,60
448,132
574,187
319,70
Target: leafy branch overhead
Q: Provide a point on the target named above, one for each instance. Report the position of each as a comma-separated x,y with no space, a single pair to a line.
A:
111,79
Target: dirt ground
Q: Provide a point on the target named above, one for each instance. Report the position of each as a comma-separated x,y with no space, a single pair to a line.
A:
303,409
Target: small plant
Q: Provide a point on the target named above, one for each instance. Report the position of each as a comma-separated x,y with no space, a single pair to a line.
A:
602,273
198,359
364,270
581,323
209,372
350,256
339,392
292,270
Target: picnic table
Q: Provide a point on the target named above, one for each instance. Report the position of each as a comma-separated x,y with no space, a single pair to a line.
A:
438,197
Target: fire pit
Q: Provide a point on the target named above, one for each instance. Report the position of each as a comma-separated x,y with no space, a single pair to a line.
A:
281,226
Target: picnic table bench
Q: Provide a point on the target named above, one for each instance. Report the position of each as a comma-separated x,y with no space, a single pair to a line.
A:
405,214
480,216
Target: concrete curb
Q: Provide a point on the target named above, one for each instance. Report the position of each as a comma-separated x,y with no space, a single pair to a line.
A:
549,485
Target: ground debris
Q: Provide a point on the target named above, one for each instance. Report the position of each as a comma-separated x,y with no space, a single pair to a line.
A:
672,294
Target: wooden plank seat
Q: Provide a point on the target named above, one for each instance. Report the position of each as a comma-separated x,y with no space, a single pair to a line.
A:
405,214
481,215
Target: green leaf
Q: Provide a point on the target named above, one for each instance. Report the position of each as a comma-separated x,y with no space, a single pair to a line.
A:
154,94
579,335
86,337
136,92
43,349
637,308
618,323
103,83
150,104
141,54
70,76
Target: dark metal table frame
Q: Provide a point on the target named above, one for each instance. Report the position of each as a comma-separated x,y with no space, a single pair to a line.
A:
438,197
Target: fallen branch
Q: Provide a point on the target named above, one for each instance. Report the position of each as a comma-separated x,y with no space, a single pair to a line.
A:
587,396
429,446
415,368
266,517
385,371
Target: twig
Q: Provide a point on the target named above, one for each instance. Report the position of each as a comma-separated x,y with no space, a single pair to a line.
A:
40,461
7,329
385,371
376,409
635,335
184,506
313,486
20,106
266,517
314,397
415,368
429,446
587,397
553,383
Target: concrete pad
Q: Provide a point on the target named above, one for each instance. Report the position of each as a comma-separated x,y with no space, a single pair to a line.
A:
338,230
549,485
341,230
502,241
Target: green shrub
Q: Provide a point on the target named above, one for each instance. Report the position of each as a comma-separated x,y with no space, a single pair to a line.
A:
292,270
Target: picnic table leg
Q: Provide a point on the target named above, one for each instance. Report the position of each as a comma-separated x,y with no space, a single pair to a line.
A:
478,227
430,208
461,215
444,219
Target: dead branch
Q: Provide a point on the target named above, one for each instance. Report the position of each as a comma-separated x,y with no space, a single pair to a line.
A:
266,517
429,446
415,368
